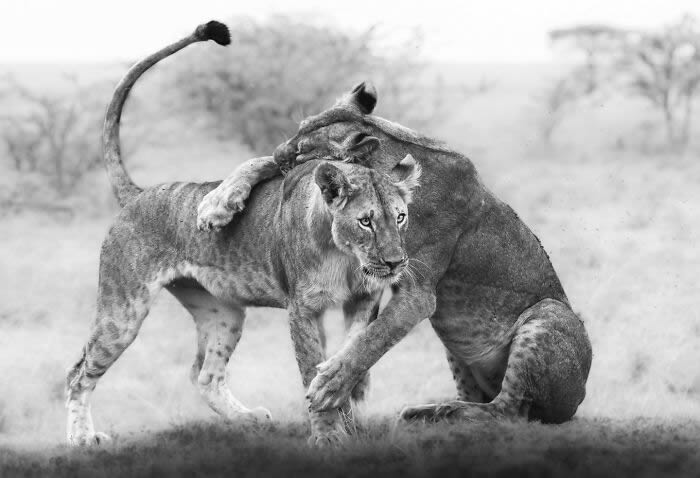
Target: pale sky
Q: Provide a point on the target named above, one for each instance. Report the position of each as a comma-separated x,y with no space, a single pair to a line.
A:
464,31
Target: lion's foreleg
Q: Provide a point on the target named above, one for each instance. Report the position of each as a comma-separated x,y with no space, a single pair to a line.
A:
220,205
358,312
338,375
327,426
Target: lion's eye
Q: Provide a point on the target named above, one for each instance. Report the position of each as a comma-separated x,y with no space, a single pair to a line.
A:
365,222
400,218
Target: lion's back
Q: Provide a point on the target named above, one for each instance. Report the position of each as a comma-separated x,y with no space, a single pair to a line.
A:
156,234
156,227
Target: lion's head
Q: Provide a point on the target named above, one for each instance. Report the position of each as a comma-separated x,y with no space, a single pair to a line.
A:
369,214
349,132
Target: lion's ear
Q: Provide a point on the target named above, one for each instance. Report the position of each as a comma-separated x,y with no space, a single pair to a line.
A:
363,97
333,183
406,175
360,145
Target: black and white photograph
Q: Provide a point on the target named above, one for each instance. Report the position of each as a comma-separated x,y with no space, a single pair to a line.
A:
349,239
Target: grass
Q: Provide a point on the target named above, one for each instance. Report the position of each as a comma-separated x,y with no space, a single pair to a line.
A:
622,230
584,447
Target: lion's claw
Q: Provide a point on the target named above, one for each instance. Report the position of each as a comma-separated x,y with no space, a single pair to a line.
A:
214,220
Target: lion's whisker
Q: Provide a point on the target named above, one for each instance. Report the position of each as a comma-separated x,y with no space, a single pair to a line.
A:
415,269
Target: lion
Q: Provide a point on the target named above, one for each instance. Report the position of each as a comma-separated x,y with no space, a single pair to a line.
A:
328,234
515,347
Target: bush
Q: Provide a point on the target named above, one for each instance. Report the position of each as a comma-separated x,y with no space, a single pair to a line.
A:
279,71
53,137
50,141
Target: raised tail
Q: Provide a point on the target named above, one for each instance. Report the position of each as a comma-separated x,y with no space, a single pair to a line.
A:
123,186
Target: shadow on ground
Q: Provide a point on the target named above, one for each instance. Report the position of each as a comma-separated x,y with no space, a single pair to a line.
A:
581,448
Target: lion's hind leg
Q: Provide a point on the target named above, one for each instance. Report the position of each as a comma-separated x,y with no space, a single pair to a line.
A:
545,378
468,389
123,302
219,328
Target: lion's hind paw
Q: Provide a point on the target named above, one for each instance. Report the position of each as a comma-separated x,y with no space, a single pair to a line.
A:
88,440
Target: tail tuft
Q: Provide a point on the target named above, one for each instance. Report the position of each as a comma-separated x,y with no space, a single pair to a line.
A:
123,186
214,30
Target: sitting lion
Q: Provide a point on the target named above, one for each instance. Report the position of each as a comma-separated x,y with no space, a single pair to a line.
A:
515,348
325,235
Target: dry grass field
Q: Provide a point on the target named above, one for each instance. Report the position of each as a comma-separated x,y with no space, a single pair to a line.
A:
622,228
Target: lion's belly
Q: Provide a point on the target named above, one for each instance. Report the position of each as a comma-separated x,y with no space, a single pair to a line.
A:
472,320
476,336
245,286
472,339
257,290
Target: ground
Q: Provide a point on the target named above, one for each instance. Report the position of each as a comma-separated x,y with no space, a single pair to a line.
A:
621,226
584,447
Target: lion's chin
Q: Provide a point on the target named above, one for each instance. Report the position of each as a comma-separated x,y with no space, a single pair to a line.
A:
379,279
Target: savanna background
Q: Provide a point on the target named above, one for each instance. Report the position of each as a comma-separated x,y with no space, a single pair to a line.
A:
584,124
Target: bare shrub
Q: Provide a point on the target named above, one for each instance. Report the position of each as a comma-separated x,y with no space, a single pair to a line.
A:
51,141
55,136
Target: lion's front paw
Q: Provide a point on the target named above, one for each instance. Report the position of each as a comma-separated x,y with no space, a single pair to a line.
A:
218,207
88,439
326,440
332,386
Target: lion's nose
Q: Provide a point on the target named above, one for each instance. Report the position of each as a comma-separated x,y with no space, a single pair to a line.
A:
394,262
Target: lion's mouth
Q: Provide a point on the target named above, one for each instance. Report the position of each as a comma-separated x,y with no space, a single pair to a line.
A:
382,274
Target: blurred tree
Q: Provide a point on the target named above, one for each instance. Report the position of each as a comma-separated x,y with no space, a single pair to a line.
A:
661,67
558,99
279,71
598,45
53,135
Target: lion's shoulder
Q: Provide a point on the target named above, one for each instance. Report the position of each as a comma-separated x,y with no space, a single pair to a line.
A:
295,176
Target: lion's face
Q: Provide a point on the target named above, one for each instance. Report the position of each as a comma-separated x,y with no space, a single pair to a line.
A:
340,133
370,215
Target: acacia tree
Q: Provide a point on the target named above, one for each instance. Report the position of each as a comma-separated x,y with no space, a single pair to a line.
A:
664,68
597,45
557,99
661,67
